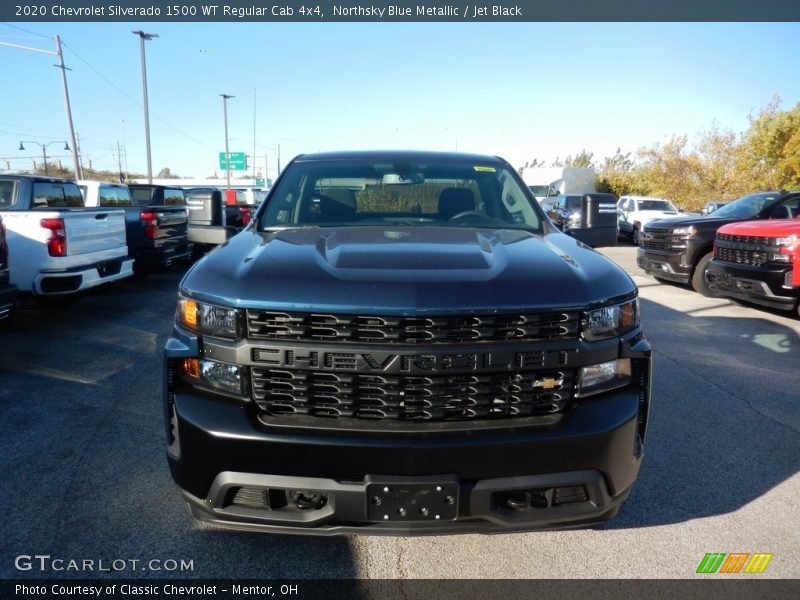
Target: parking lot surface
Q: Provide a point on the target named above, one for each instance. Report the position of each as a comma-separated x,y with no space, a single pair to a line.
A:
85,476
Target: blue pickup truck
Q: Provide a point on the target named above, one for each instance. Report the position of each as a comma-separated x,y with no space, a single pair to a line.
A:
402,342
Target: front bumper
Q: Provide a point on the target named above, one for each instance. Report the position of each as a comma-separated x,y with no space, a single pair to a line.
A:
764,285
239,473
82,278
664,265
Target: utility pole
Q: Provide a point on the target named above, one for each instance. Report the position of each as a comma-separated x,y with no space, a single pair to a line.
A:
227,153
60,65
142,38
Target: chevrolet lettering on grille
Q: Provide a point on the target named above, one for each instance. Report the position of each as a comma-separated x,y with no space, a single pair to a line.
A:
392,362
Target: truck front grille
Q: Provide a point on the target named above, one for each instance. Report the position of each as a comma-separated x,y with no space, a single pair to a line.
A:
658,239
272,325
741,249
411,397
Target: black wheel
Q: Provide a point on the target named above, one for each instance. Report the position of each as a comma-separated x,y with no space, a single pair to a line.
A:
699,284
635,238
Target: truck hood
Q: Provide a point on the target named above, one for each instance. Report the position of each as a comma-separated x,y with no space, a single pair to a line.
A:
405,270
774,228
657,214
704,221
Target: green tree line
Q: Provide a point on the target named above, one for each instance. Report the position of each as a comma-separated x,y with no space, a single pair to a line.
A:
721,165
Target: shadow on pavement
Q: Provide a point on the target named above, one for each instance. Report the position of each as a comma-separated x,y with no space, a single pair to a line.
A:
725,423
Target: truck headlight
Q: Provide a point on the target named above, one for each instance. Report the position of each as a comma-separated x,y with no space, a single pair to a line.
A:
574,220
684,231
214,375
611,321
606,376
208,319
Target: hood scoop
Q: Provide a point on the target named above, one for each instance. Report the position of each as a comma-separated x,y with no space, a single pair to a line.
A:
405,250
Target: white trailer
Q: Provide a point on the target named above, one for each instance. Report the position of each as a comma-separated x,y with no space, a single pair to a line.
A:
550,181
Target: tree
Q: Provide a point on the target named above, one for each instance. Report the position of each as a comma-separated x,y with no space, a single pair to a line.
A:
582,159
618,174
165,173
771,148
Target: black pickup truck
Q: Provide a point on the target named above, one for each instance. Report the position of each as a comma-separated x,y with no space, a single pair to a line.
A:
402,342
681,249
165,216
155,222
8,292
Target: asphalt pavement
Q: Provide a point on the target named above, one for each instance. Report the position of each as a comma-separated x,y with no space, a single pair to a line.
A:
84,476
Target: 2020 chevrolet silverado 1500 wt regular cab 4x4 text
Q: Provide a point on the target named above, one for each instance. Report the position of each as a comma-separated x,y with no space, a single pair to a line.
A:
57,247
157,235
401,342
680,249
758,261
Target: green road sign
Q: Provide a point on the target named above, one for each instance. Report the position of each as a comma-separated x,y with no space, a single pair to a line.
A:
238,161
259,181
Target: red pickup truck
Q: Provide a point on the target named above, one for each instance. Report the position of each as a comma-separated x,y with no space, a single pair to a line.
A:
758,261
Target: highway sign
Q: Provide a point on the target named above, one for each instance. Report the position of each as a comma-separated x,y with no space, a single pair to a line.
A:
238,161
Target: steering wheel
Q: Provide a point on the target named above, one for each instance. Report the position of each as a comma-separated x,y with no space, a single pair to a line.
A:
466,213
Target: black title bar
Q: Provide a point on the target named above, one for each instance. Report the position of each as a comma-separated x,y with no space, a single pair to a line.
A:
467,11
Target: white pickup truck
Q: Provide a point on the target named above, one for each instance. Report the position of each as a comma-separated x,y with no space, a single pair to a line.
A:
634,212
57,247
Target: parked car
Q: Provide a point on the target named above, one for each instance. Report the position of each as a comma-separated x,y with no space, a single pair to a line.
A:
712,206
401,342
638,211
8,291
56,246
758,261
681,249
564,207
156,235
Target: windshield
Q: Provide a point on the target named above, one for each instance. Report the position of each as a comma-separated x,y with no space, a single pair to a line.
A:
747,206
662,205
540,191
573,202
379,193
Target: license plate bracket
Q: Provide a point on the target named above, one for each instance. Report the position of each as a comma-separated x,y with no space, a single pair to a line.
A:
405,499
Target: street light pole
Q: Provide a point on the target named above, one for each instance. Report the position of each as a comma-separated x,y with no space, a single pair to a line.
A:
142,38
44,150
227,153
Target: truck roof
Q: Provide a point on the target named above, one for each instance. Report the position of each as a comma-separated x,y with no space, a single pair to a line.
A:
394,155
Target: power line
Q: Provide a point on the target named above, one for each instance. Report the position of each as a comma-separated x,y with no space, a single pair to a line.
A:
136,102
27,31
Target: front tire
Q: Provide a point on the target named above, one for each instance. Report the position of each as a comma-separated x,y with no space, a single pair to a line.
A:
699,284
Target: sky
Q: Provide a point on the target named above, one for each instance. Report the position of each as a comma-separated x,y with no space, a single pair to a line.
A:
517,90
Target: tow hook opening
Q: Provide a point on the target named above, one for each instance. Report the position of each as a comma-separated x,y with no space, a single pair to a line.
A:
522,500
308,500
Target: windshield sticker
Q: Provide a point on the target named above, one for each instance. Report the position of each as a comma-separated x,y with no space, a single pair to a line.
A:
485,169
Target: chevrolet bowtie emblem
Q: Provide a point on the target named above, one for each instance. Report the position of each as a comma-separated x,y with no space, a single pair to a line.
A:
547,383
